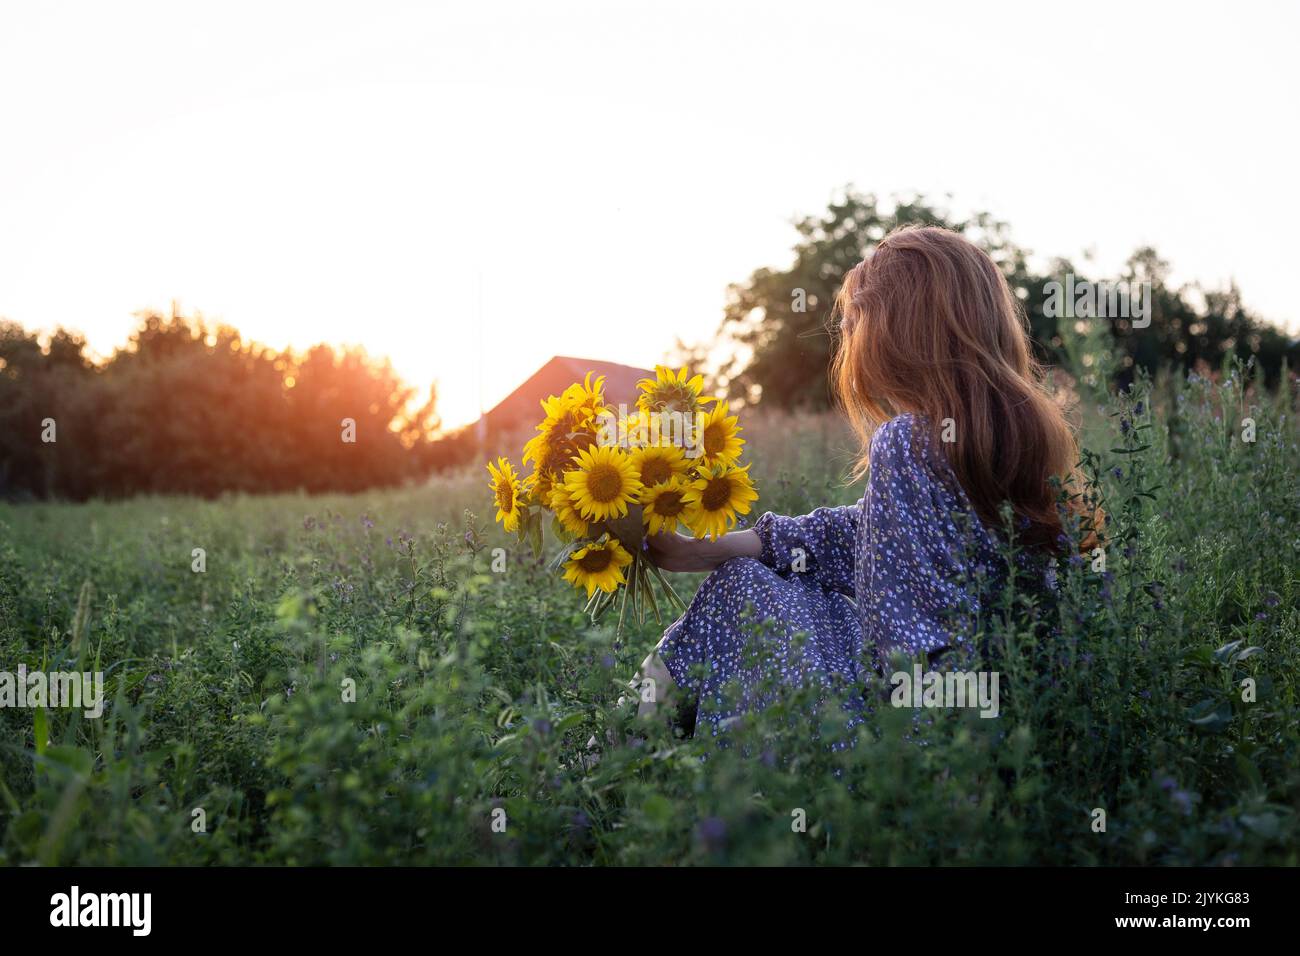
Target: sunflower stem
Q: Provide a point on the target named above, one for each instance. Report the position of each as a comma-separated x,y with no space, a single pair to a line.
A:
650,596
668,589
622,612
602,605
640,590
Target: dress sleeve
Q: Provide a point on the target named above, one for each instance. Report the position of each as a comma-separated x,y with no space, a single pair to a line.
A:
820,547
922,548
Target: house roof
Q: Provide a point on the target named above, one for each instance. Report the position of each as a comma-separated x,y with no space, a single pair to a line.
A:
561,371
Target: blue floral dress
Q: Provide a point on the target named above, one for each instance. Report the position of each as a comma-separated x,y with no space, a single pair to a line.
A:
839,591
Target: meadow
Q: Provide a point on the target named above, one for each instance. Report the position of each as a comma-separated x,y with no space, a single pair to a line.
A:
1149,713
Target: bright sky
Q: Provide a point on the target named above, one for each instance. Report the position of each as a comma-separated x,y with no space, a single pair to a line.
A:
357,172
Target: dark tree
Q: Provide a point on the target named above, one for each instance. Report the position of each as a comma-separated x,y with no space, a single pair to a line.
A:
779,327
186,408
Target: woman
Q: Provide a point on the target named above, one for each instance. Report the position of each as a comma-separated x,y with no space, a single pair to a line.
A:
936,375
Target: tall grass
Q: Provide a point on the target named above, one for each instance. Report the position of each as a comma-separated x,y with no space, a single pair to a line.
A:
475,692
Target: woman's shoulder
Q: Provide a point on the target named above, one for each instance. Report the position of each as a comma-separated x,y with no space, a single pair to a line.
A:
906,455
905,446
902,439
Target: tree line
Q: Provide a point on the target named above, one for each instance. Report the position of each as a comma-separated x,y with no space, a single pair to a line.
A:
188,408
781,329
185,408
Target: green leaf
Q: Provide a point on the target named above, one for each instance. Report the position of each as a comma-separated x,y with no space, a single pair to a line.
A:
1210,716
1264,824
74,758
569,722
1225,653
41,721
560,532
535,534
658,809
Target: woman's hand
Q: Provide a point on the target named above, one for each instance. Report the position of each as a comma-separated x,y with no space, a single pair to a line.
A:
677,552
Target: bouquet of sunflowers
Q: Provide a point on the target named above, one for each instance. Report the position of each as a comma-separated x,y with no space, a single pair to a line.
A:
608,478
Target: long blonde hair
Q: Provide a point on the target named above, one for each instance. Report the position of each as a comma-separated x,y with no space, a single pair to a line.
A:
930,326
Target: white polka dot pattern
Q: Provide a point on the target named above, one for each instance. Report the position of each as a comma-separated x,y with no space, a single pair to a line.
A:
841,589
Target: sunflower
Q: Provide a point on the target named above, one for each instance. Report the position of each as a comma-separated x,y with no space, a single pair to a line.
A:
714,500
586,399
671,391
546,451
656,464
717,436
604,483
599,564
505,488
566,430
565,513
664,504
633,431
538,487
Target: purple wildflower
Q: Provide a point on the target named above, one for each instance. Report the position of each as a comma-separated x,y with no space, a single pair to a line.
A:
711,833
